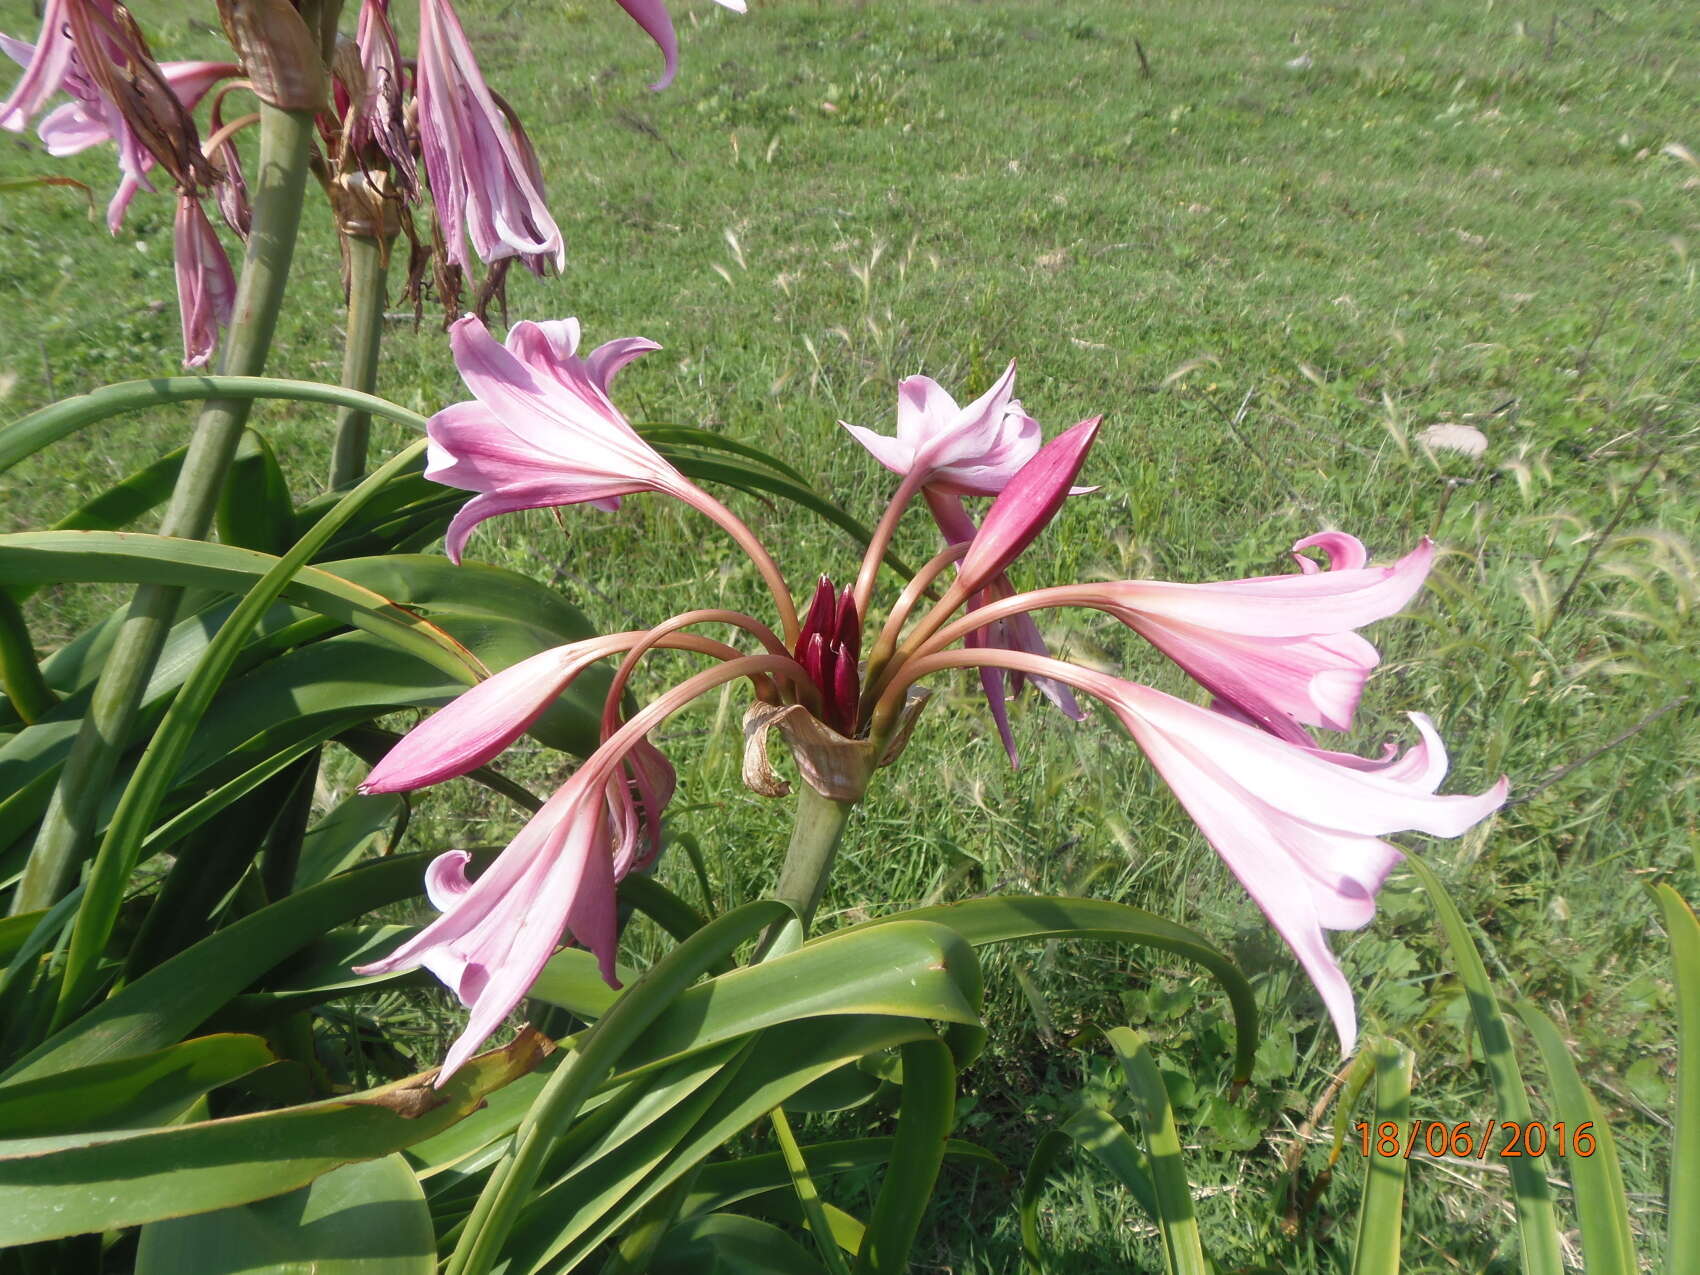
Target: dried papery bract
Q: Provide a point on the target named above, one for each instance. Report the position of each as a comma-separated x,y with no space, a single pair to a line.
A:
280,54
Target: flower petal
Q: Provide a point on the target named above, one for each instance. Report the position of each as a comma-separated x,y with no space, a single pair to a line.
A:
1026,506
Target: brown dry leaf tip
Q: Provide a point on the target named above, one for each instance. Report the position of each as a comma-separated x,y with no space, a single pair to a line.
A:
279,54
832,765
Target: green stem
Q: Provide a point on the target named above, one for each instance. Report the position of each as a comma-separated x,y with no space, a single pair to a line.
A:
67,829
368,263
816,832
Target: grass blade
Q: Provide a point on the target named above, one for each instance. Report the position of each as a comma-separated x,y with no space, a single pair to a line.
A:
1045,1157
1537,1225
1596,1179
1182,1252
1682,1250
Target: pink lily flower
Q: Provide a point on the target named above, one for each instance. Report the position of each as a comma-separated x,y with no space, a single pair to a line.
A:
542,430
484,178
1281,651
1300,827
959,451
653,17
949,452
556,879
206,285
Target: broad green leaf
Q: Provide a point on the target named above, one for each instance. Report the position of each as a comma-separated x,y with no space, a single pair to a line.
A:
1537,1225
339,840
1596,1180
55,557
41,428
362,1219
726,1244
64,1185
28,698
1007,919
254,508
906,968
598,1052
1381,1213
166,1003
1099,1132
785,1059
807,1194
15,932
1182,1253
127,1093
128,499
923,1126
1682,1250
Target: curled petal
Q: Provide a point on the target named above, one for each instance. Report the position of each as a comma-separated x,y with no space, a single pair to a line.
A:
1345,553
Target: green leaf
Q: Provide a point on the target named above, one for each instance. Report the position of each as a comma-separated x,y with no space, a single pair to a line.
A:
127,1093
807,1194
726,1244
361,1219
127,499
46,426
168,1001
254,508
907,968
1182,1253
1682,1250
1045,1156
1596,1180
56,557
923,1125
558,1230
1537,1224
727,1182
337,842
1381,1214
64,1185
1008,919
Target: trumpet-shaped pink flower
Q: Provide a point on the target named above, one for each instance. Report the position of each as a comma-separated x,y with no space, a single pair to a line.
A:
554,880
206,285
1300,827
484,177
1281,651
653,17
542,430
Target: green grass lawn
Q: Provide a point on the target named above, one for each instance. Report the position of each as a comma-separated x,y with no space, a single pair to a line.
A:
1304,235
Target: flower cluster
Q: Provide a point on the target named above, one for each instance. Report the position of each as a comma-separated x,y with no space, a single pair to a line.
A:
383,118
1301,826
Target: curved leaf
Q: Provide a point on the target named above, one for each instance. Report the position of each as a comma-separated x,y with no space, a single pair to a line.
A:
127,1092
923,1125
1537,1225
1175,1219
1006,919
1682,1251
362,1219
63,1185
726,1244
